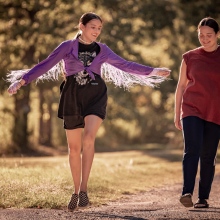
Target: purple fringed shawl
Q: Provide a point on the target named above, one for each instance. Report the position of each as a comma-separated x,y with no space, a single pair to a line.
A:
109,65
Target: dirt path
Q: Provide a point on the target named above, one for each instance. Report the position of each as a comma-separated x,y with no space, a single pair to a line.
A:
160,203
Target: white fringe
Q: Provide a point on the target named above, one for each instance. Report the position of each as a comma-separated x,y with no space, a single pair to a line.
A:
129,80
52,74
108,72
15,75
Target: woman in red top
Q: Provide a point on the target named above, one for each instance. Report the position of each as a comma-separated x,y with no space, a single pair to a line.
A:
197,112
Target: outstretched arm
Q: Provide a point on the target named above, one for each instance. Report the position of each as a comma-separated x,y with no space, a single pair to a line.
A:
41,68
127,74
133,67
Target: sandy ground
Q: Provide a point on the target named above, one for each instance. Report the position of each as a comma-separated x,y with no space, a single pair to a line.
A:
159,203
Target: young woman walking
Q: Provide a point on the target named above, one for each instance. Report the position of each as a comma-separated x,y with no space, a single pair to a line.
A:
197,112
86,63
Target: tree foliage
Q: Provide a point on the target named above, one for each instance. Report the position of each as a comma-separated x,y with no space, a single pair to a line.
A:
154,33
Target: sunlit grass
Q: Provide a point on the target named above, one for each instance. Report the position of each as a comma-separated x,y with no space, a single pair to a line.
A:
34,182
46,182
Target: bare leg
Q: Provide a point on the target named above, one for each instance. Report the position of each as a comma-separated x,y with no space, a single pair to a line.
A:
74,139
92,124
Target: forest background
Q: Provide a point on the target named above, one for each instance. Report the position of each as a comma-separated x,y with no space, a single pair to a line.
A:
151,32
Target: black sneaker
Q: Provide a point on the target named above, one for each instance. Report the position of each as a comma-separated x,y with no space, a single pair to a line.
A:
73,202
83,199
186,200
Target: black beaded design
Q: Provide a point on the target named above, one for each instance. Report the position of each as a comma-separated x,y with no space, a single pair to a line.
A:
83,199
73,202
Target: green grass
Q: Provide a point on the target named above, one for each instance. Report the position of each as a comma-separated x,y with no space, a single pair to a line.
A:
45,182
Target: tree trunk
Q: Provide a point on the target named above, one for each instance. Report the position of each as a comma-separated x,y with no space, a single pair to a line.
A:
45,128
20,129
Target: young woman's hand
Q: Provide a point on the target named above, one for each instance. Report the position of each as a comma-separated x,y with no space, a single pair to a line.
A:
14,87
177,123
165,72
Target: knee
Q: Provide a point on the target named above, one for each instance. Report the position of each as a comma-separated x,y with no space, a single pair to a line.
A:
74,149
208,160
88,141
191,154
192,150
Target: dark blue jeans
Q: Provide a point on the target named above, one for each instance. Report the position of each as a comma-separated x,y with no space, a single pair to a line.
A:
201,140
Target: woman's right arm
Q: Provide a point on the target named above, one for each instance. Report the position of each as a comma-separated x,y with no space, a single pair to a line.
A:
45,65
41,68
181,86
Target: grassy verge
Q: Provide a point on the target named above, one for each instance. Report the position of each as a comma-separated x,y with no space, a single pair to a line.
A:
45,182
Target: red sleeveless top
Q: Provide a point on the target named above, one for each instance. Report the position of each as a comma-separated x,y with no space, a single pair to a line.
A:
201,97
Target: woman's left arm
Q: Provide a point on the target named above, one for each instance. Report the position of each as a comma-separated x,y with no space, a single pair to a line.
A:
133,67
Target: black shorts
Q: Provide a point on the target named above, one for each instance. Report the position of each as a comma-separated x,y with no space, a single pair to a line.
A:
78,101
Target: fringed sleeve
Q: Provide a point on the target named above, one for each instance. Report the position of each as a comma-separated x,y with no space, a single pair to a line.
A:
52,74
48,69
127,80
15,75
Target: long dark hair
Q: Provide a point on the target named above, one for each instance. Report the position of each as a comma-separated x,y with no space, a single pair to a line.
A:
210,22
